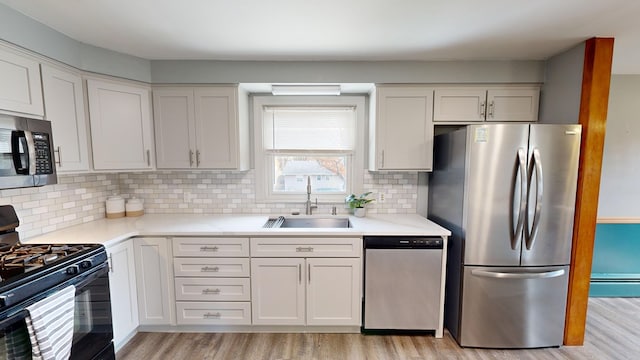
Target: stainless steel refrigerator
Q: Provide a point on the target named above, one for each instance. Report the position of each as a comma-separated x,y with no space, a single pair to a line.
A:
507,192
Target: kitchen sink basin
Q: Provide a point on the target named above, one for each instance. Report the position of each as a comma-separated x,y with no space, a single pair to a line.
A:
293,222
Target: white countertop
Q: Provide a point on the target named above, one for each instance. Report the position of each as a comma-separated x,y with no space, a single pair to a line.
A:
111,231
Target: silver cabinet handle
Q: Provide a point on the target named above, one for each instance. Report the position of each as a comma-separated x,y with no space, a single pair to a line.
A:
209,248
59,162
110,262
197,158
537,163
209,269
299,273
211,291
483,105
210,315
148,157
491,106
304,249
190,158
309,272
519,275
382,159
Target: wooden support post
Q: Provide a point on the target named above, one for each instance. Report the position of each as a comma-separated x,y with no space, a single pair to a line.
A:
596,79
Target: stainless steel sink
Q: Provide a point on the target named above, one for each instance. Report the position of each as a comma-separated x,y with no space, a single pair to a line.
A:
294,222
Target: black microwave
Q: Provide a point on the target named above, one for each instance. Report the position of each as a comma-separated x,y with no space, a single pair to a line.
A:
26,153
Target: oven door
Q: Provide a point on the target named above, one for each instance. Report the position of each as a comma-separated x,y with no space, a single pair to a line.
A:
93,330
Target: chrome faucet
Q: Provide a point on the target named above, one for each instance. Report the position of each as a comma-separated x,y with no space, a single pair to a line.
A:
309,205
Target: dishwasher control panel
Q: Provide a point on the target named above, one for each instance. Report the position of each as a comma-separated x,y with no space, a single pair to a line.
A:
403,242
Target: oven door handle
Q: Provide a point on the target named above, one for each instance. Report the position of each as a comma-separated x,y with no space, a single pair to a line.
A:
13,318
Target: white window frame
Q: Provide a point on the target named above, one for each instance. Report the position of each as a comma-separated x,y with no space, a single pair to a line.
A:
263,168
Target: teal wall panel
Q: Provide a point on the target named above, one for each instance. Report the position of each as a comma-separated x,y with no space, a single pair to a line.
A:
616,261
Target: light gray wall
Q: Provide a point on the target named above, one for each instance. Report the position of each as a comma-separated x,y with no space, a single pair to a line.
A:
560,94
25,32
203,71
619,185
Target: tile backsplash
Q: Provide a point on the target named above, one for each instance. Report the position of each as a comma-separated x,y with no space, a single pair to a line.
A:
80,198
74,200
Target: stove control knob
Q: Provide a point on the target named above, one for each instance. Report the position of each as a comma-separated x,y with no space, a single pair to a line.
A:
85,264
73,270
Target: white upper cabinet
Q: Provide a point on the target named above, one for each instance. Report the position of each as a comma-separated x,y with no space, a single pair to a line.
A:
174,119
401,131
20,89
476,104
120,117
201,128
64,104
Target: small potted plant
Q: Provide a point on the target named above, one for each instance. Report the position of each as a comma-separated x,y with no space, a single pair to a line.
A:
357,203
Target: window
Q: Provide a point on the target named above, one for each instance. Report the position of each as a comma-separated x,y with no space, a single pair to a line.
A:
303,140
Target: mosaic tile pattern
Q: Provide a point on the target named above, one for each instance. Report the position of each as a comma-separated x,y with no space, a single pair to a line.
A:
74,200
233,192
80,198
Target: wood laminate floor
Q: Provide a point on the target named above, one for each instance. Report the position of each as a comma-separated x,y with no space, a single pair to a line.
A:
613,332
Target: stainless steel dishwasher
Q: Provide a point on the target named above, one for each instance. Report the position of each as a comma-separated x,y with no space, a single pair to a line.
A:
402,283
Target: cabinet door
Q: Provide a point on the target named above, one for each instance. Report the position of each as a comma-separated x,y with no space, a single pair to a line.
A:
277,291
120,126
64,102
20,89
216,128
404,128
333,292
154,278
459,105
122,283
513,104
174,119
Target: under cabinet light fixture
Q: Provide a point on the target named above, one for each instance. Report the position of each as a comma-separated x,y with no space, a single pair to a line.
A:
305,89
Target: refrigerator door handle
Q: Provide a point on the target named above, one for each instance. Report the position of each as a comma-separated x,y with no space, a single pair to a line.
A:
522,208
537,163
518,275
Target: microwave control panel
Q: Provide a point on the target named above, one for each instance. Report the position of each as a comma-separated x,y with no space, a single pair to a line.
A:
44,162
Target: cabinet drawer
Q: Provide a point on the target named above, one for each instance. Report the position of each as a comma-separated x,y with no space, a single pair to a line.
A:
306,247
212,289
211,267
213,313
211,247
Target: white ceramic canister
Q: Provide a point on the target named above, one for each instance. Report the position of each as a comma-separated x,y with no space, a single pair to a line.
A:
115,207
134,207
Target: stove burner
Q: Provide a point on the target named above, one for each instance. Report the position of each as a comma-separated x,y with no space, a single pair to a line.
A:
20,258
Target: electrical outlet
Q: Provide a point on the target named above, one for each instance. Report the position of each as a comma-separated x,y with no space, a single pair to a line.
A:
381,197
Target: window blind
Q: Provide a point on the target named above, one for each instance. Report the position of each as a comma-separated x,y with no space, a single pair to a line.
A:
305,128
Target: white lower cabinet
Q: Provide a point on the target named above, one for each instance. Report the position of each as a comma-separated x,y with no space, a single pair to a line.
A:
333,291
278,291
154,275
212,285
306,291
122,285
